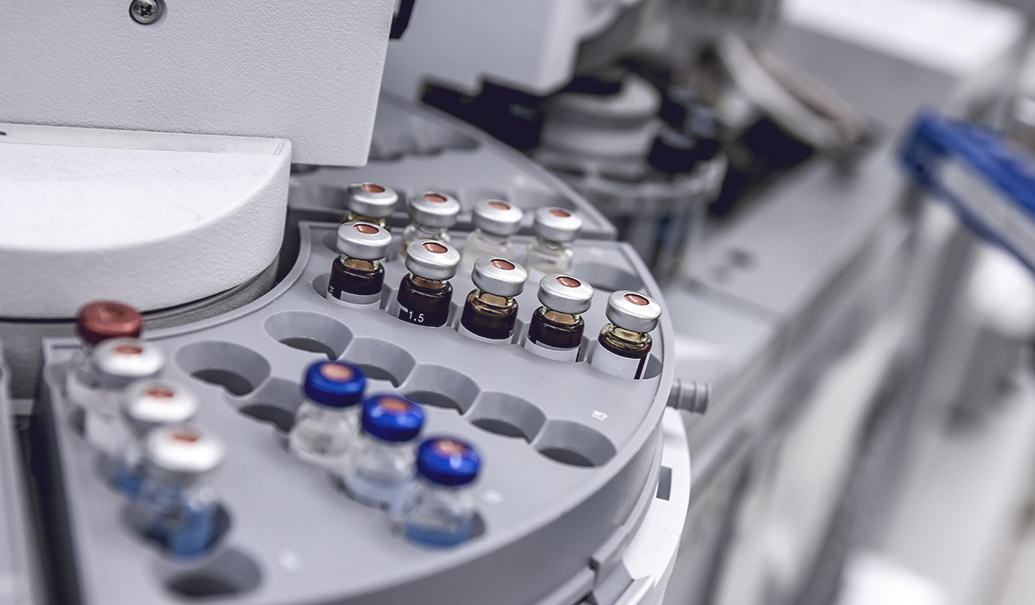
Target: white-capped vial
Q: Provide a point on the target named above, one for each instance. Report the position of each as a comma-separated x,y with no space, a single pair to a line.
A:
370,203
555,229
494,222
425,292
357,274
431,216
490,310
441,510
381,465
116,363
327,422
556,329
174,507
147,405
96,322
624,345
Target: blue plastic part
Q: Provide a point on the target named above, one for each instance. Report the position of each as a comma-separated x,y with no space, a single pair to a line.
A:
991,187
334,383
437,537
392,418
127,480
448,461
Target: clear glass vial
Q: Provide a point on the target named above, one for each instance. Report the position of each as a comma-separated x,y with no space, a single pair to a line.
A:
490,310
431,216
116,363
327,422
370,203
425,292
96,322
175,507
381,466
357,275
148,405
555,229
441,510
624,344
494,222
557,327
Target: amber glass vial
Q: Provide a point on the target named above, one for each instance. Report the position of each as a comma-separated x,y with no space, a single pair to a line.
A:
625,343
557,326
425,292
490,311
370,203
357,274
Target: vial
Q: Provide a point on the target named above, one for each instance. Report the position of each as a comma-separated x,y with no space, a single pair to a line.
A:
96,322
431,216
494,221
556,328
490,310
555,229
441,508
327,422
357,275
116,364
148,405
624,344
175,507
381,465
425,292
370,203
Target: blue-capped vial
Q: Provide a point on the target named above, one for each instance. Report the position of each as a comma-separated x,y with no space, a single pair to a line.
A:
382,463
327,422
441,509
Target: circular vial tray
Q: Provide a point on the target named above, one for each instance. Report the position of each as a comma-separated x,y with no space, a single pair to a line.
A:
570,453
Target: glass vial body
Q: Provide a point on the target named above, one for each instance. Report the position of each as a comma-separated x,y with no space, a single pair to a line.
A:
382,465
494,221
555,229
556,329
550,257
96,322
327,423
441,511
357,276
480,244
424,302
624,345
116,364
489,316
431,216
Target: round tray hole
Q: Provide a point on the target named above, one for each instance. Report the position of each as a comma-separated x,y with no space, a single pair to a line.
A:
274,404
230,573
507,415
237,369
311,332
441,387
221,526
381,360
607,277
574,444
281,419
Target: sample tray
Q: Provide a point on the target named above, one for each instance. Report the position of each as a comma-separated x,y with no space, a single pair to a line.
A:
570,454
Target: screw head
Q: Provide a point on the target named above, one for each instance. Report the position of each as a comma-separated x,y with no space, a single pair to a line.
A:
145,12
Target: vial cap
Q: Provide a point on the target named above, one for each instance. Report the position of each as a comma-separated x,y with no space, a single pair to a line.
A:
184,450
434,209
152,403
557,224
364,241
371,199
120,361
633,311
565,294
432,259
103,319
497,217
334,384
448,461
392,418
499,276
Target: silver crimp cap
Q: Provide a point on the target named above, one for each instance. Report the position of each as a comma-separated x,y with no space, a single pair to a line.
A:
365,241
497,217
434,209
153,403
120,361
183,450
499,276
371,199
432,259
565,294
633,311
557,224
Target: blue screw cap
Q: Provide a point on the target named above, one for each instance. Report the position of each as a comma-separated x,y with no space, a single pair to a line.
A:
448,461
392,418
334,384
